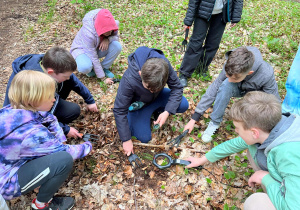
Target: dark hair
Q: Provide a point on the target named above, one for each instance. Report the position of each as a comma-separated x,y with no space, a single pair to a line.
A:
60,60
239,61
155,73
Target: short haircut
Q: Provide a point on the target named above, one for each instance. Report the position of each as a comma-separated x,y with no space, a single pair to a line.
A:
30,88
60,60
239,61
257,110
155,73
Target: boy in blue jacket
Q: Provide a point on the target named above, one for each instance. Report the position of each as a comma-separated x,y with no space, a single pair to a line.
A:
144,80
60,65
273,143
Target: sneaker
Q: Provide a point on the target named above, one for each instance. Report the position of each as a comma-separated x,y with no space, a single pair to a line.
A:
183,80
57,203
91,74
108,73
209,132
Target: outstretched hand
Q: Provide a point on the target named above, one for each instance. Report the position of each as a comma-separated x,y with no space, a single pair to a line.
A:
195,162
128,147
92,107
74,133
190,125
162,118
109,81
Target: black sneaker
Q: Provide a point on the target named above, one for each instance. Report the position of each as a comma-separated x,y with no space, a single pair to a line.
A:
183,80
57,203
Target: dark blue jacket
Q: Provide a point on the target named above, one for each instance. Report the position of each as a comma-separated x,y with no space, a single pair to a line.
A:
131,89
32,62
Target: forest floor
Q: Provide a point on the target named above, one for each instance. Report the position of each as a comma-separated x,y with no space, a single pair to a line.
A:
105,179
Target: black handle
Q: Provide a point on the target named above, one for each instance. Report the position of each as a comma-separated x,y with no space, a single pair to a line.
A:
169,158
186,33
181,162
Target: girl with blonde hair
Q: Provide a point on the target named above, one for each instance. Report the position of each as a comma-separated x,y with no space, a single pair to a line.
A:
33,152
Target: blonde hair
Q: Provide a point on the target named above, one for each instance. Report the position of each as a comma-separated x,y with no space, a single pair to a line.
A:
257,110
30,88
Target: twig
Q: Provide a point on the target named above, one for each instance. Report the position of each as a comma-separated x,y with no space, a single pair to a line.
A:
134,194
149,145
165,147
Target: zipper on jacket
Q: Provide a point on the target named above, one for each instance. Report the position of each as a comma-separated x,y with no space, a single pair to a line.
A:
228,11
211,11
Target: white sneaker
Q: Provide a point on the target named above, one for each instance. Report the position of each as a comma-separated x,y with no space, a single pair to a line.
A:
209,132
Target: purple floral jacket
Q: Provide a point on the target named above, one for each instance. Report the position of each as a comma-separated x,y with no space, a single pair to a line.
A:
24,136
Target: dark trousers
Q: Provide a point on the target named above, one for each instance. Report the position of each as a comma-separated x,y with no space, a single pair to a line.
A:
211,31
139,120
49,172
66,111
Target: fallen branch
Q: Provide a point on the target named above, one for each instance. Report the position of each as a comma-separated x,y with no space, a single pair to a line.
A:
164,147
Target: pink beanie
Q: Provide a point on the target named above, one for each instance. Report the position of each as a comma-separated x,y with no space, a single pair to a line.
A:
105,22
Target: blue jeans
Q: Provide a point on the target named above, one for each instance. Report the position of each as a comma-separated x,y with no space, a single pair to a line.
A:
85,65
139,120
225,92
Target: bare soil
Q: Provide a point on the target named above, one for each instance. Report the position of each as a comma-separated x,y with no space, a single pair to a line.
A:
14,14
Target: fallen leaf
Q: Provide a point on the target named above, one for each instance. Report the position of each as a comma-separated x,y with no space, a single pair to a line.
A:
188,189
128,170
151,174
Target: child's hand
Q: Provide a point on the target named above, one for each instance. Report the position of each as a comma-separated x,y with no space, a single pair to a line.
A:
195,162
185,27
74,133
162,118
257,177
190,125
92,107
128,147
109,81
104,44
232,25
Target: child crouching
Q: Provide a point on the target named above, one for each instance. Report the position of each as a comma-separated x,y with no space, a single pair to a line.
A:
33,152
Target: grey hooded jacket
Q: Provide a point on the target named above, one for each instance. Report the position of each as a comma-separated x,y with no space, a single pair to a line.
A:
262,79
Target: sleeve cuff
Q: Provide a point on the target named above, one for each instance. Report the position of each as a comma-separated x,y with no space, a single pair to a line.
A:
267,180
210,157
196,116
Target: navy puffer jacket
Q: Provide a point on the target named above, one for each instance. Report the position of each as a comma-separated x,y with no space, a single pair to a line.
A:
232,10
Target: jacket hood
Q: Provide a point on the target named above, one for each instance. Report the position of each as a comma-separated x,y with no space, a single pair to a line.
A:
137,59
11,119
290,130
287,130
22,63
105,22
258,59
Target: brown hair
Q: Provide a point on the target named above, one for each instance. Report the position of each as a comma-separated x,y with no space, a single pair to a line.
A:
239,61
30,88
60,60
257,110
155,73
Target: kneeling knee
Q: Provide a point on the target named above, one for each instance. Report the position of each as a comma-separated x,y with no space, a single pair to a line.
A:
116,46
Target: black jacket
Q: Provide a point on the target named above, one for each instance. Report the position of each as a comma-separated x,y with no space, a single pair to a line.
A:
232,10
32,62
131,89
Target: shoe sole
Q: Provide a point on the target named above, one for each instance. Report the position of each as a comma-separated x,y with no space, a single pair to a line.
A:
55,209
